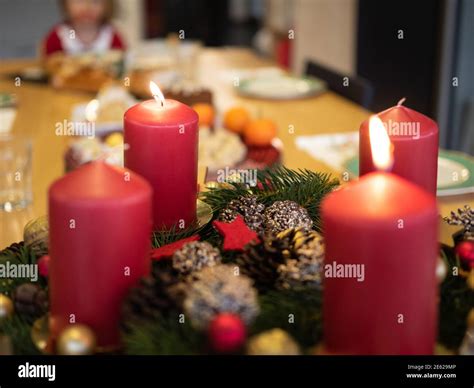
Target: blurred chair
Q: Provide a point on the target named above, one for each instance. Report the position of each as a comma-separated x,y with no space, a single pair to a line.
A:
359,89
467,127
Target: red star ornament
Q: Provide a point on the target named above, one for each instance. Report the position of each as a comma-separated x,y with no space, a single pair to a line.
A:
168,249
236,234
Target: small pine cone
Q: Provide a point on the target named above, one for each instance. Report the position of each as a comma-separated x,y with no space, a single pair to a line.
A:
304,272
194,256
302,243
228,215
249,208
304,259
219,290
169,282
30,300
282,215
260,261
465,218
155,295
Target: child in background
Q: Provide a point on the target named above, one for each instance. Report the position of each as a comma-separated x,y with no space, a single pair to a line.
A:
85,51
86,28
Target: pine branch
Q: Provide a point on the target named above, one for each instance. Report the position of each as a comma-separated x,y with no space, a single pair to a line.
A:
165,336
305,307
160,238
456,300
18,254
19,331
305,187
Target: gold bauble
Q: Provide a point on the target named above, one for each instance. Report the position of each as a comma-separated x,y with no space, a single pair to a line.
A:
273,343
211,185
470,279
76,340
6,348
203,213
115,139
470,318
6,307
441,350
36,235
40,334
226,185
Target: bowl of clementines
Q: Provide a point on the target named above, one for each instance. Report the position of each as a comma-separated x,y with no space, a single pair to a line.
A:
258,134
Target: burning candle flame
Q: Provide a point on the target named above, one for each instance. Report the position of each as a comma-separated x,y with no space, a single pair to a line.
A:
157,94
380,144
92,109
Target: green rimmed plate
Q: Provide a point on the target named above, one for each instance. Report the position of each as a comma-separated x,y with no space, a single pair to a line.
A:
455,172
282,87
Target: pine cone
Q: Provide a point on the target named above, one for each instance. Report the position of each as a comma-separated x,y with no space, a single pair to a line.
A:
304,259
156,294
36,235
30,300
249,208
465,218
195,256
219,290
288,259
302,243
260,261
282,215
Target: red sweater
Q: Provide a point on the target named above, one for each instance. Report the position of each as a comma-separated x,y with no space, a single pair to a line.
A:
62,38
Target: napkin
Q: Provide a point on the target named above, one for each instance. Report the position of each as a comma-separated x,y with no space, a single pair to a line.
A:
332,149
7,116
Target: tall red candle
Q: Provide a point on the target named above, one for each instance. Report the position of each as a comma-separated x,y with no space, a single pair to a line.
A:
381,249
162,146
414,137
100,226
389,226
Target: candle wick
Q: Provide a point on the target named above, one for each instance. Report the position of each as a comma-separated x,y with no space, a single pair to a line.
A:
401,101
158,100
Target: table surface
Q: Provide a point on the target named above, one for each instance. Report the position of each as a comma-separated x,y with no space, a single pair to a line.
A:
40,107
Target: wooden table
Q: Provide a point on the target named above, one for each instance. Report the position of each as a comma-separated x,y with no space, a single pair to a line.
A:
40,107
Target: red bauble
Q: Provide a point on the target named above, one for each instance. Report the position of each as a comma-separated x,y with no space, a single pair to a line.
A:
465,251
43,265
227,333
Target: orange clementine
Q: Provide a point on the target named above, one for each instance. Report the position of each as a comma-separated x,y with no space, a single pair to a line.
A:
260,132
235,119
205,113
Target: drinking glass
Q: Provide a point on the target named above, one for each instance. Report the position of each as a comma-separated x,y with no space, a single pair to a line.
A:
15,172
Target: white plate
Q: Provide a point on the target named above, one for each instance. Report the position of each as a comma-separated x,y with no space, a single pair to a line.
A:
281,87
109,95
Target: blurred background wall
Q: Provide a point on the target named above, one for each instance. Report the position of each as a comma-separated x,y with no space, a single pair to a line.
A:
23,23
331,30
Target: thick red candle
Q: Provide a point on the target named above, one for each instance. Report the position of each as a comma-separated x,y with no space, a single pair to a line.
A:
162,146
414,137
382,300
100,226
